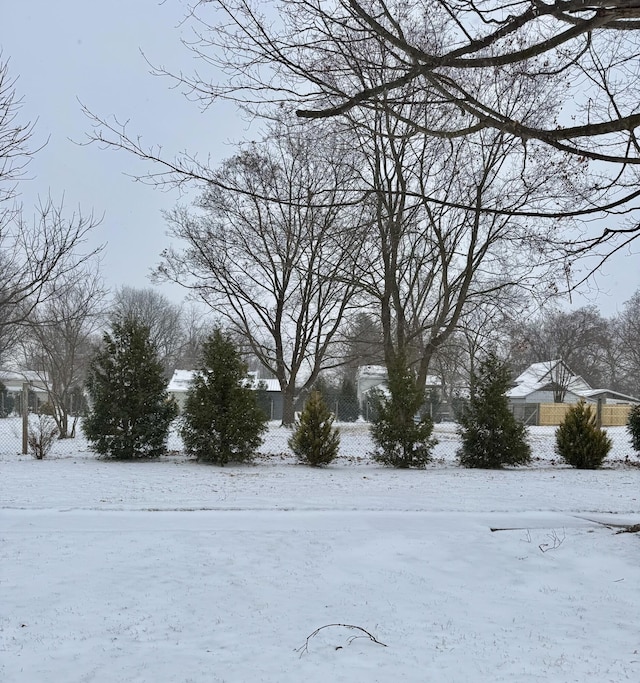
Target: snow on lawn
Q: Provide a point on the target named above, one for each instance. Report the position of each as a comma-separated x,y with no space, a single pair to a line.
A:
172,571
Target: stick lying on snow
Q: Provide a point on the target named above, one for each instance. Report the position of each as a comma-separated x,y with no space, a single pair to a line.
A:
305,648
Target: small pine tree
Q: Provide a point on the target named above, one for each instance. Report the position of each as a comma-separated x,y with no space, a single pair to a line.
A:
402,437
491,436
633,427
130,412
222,421
314,441
579,440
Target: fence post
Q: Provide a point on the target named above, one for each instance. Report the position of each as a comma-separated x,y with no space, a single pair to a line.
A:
25,417
599,413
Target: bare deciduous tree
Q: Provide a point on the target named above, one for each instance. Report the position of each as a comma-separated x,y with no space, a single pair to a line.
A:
15,152
627,327
331,59
34,255
58,344
163,317
435,254
197,327
580,338
277,270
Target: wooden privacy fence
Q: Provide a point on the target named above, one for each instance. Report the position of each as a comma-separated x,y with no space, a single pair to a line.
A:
550,414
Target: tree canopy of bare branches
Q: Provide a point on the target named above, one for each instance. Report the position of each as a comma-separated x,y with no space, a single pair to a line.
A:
162,317
15,136
459,58
278,272
627,334
34,254
58,343
434,254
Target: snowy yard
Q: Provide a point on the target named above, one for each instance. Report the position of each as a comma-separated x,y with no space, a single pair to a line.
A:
172,571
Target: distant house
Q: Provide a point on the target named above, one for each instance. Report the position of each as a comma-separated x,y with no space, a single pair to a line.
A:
269,398
179,385
553,382
548,382
370,377
14,380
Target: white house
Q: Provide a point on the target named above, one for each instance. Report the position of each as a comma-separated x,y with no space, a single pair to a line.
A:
370,377
544,382
182,379
13,381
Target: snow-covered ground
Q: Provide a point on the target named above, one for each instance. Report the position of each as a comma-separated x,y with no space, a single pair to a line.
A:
172,571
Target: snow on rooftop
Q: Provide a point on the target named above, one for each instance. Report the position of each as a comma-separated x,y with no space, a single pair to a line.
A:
181,381
380,372
539,375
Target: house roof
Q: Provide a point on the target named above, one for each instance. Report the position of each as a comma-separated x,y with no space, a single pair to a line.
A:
181,381
544,376
594,393
14,379
539,376
379,372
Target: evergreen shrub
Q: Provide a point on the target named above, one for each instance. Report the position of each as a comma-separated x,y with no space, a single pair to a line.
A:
130,410
402,436
579,441
348,408
222,421
490,434
633,427
314,441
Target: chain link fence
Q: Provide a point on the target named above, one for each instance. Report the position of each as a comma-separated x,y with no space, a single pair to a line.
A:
356,443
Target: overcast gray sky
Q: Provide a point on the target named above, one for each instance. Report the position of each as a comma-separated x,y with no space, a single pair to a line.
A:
74,50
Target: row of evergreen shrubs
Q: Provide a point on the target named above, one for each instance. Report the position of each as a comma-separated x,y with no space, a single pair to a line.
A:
491,437
131,413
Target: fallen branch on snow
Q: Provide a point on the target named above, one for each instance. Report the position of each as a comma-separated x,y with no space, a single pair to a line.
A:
305,648
555,541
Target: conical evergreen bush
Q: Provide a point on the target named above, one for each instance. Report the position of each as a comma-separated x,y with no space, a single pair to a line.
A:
348,408
491,436
401,435
222,421
633,427
130,410
579,441
315,442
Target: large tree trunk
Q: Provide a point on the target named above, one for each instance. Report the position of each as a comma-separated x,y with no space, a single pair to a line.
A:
288,407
